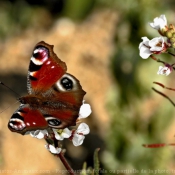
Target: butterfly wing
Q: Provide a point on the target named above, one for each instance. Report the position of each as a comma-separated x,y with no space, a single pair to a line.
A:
26,119
47,77
67,96
45,68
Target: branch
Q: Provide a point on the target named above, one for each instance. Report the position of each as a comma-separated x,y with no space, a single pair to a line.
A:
65,163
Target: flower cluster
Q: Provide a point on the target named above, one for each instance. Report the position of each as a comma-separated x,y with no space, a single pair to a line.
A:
77,136
163,44
159,45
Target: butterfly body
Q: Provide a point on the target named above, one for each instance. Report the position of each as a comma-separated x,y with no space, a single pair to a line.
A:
54,96
39,102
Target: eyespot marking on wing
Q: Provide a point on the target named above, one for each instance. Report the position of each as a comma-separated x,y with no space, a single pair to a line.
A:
40,55
17,122
52,121
34,67
67,83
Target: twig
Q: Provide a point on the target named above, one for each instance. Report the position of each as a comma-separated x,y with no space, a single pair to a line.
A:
160,84
157,145
164,96
171,54
158,60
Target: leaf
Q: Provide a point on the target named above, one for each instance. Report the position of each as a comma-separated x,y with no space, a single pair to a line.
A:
96,162
90,171
84,171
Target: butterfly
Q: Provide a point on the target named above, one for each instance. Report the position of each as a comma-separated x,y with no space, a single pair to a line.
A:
54,96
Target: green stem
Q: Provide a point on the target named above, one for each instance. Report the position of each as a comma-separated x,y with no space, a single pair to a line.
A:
171,54
155,59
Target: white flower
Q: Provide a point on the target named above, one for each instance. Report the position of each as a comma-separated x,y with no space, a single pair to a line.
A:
78,135
39,134
159,22
52,149
83,128
85,110
60,134
78,139
166,70
155,46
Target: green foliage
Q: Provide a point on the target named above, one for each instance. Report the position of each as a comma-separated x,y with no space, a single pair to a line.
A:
78,9
19,15
137,117
90,170
96,162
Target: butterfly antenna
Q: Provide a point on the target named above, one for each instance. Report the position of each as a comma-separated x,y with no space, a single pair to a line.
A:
8,107
8,88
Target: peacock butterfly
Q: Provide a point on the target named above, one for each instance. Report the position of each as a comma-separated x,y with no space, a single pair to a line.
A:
54,96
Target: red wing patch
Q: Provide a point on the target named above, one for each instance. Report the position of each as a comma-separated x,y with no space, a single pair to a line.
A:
26,119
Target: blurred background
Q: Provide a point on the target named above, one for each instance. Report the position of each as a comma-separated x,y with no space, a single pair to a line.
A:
99,41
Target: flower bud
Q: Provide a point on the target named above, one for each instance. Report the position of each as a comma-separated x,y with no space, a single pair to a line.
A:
168,34
172,40
171,27
173,45
172,30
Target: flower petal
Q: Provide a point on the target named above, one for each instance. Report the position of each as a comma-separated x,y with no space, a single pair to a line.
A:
39,134
54,150
61,134
165,70
144,52
155,44
85,111
83,128
159,22
144,48
57,136
66,133
78,139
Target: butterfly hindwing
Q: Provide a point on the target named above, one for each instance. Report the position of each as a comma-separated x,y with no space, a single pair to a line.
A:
26,119
69,95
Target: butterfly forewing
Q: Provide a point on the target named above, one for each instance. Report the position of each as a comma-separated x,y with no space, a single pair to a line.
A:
45,68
